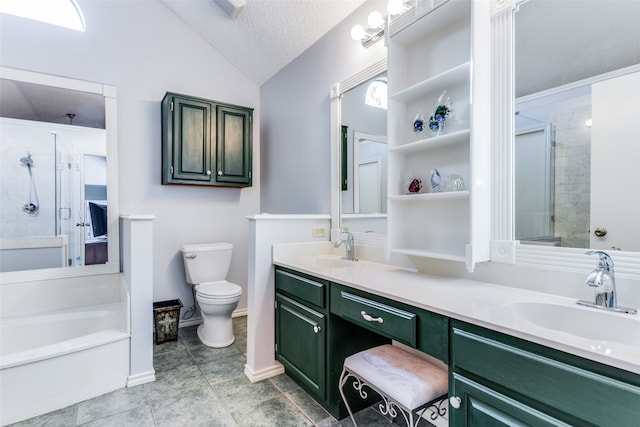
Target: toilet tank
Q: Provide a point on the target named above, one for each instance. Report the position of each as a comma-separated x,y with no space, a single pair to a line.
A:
208,262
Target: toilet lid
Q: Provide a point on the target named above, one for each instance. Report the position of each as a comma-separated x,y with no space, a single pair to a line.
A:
221,289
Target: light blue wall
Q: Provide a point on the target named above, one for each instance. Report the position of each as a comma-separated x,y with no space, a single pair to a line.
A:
295,106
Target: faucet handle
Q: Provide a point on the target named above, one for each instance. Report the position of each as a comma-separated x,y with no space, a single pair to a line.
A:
604,260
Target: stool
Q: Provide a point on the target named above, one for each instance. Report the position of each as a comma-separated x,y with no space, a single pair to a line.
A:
404,381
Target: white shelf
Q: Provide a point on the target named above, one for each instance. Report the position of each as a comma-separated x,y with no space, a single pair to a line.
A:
426,25
458,75
421,197
457,137
429,254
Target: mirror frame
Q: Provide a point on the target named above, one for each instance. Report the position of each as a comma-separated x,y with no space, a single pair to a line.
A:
335,95
504,249
110,99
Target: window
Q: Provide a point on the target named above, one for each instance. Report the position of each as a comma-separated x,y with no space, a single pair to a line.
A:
64,13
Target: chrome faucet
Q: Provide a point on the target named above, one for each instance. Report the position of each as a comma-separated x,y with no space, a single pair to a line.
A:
603,279
348,242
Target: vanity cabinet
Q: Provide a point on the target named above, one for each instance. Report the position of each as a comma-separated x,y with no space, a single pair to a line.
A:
501,380
312,344
430,52
205,142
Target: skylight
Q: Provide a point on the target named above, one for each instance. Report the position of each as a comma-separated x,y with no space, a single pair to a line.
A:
64,13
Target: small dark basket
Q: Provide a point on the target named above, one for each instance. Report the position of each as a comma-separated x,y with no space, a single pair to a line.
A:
166,316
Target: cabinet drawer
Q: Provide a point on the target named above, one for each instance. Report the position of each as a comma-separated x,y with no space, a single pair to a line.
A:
305,288
389,321
577,392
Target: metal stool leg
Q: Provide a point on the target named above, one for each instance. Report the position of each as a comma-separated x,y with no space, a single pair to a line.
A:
344,376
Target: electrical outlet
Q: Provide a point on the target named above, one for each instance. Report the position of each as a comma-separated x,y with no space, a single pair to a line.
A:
319,232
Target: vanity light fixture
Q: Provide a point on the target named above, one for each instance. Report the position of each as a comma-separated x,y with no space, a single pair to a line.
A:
64,13
376,24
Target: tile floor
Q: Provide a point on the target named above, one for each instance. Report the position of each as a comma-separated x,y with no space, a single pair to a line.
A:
201,386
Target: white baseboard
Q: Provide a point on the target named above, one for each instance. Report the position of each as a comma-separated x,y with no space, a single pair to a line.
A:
240,312
263,374
197,320
143,378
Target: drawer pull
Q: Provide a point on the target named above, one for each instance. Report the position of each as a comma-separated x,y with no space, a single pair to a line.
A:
316,328
455,402
368,317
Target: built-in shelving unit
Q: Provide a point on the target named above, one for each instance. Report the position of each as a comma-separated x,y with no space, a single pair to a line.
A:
430,51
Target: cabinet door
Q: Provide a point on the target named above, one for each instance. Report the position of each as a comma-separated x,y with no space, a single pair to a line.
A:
234,146
300,344
187,137
481,406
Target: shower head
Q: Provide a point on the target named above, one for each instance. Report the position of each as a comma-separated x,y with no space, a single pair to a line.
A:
27,161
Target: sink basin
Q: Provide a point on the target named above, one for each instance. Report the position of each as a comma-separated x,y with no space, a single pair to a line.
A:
600,327
332,261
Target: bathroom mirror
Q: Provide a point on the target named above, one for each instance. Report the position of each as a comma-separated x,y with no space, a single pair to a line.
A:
359,152
559,54
564,151
59,177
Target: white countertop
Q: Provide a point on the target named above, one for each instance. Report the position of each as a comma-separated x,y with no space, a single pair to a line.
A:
492,306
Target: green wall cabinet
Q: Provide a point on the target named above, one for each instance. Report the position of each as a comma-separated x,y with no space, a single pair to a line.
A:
206,142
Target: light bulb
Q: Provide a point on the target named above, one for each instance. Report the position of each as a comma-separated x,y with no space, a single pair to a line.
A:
357,32
395,7
375,20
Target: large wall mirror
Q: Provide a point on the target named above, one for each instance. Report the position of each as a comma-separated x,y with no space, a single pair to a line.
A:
359,126
58,177
567,81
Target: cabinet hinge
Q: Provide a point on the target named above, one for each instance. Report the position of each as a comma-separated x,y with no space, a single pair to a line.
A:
171,169
249,174
171,105
275,304
276,347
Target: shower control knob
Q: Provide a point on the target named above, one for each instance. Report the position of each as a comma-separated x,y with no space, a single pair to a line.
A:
83,224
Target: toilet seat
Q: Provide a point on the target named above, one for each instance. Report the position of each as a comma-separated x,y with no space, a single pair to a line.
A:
218,290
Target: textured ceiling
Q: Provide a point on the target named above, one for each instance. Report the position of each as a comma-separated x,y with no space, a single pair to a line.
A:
267,34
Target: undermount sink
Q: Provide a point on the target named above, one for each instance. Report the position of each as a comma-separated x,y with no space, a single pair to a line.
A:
332,261
589,323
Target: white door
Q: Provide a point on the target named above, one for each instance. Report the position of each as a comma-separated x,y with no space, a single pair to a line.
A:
615,205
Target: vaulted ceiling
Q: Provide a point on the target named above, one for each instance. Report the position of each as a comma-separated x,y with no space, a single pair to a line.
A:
267,34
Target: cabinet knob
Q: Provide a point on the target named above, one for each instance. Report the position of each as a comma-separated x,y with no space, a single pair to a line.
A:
369,318
219,173
316,328
455,402
208,172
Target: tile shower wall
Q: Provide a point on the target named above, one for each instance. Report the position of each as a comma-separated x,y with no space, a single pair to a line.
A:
572,177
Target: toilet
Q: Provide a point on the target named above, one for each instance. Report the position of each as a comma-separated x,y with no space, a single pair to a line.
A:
206,267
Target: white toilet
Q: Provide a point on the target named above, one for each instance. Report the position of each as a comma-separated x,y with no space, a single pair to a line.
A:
206,267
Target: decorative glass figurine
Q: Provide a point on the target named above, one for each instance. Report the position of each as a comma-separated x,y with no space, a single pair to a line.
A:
418,123
440,113
435,181
415,185
457,183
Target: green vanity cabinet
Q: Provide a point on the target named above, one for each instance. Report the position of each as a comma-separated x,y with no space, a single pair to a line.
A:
205,142
417,328
312,344
499,380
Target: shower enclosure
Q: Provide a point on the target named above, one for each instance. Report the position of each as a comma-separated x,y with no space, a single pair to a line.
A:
45,209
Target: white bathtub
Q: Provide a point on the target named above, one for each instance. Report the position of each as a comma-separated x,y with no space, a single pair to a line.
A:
57,353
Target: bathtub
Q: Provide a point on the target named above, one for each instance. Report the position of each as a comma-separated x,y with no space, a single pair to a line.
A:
61,342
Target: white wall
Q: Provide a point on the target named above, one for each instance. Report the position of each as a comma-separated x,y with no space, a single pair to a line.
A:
145,50
295,106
